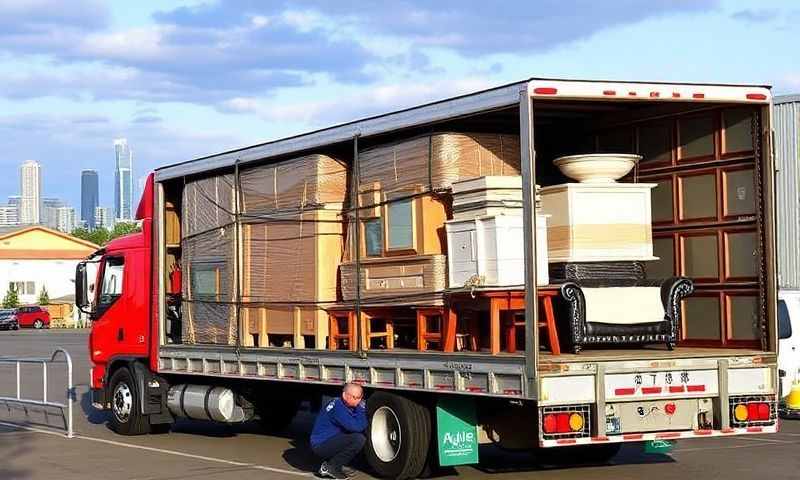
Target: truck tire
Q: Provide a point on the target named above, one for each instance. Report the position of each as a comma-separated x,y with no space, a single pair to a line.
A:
275,415
126,413
398,436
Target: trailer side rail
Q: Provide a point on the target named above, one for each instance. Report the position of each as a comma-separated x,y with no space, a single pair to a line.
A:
490,376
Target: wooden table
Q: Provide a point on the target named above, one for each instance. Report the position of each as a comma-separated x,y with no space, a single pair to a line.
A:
503,301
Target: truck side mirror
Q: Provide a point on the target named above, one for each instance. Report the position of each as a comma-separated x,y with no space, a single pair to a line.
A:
784,321
81,292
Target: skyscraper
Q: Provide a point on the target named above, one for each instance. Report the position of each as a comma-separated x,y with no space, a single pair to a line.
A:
123,180
30,206
65,219
49,212
90,190
102,218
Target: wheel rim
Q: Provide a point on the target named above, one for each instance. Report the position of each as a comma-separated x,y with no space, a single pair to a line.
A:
37,324
385,434
122,402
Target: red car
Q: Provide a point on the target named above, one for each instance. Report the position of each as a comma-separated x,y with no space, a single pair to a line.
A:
33,316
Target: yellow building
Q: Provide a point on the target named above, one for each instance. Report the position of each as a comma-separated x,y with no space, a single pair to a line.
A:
36,257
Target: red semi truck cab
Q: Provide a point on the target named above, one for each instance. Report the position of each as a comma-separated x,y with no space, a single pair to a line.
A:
121,298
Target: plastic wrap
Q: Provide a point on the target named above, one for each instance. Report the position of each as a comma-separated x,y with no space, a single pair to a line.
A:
436,161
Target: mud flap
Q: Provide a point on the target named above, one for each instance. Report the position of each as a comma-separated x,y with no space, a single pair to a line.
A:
457,431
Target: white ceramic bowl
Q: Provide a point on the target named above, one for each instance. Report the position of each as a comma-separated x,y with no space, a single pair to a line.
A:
597,167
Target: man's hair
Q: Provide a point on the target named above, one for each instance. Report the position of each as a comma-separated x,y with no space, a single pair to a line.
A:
350,386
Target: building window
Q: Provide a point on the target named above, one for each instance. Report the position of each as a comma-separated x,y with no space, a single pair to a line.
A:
373,237
400,225
23,288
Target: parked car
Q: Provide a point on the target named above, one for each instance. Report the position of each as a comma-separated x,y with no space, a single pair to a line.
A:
33,316
8,319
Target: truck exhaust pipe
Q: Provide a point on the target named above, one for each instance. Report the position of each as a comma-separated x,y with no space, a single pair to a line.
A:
205,402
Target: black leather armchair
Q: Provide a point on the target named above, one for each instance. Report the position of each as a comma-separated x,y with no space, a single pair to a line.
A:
600,327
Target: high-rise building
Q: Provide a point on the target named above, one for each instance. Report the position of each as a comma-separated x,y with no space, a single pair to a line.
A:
65,219
90,190
102,218
9,215
49,215
30,205
123,180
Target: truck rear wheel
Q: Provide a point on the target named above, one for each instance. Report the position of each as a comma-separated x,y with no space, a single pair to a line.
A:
398,436
126,412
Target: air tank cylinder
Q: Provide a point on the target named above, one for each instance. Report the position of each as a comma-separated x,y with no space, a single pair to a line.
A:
205,402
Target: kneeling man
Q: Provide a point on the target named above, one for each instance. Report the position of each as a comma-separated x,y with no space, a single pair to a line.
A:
338,434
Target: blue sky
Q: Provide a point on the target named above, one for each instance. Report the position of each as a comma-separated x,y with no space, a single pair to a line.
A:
181,79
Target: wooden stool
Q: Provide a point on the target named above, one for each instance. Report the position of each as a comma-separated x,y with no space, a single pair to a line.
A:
424,335
366,328
545,298
336,320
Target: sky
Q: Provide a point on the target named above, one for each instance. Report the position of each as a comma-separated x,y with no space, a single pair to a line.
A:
183,79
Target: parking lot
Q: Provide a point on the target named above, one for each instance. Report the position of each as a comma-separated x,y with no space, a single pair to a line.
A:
32,446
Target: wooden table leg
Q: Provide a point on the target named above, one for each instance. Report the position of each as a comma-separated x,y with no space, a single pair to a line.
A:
550,317
511,333
449,327
494,325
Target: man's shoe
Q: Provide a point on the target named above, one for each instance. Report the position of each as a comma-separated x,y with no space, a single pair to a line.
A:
350,472
326,471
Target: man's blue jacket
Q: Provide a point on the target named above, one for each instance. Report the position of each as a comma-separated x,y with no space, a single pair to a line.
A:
335,418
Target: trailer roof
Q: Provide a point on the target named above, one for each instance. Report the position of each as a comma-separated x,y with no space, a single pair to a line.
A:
485,100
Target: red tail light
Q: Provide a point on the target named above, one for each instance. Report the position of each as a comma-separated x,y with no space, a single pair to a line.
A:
756,96
545,91
549,423
562,422
763,411
752,411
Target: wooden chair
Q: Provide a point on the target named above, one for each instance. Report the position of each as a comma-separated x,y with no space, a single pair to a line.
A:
368,334
342,328
427,317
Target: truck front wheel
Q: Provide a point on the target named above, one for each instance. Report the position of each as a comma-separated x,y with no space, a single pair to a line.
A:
398,436
126,412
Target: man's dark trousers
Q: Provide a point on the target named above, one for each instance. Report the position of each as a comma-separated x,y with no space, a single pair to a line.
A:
341,449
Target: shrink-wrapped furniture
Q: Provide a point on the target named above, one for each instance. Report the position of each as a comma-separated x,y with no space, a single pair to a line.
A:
404,198
288,241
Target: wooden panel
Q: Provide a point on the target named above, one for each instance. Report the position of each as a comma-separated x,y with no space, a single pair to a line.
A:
742,316
739,192
737,136
701,317
698,196
662,198
655,143
664,249
699,256
741,255
696,137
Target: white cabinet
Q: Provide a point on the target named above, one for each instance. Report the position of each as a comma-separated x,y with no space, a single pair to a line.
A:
488,251
598,222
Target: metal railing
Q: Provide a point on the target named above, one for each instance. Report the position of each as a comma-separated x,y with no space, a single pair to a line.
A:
66,407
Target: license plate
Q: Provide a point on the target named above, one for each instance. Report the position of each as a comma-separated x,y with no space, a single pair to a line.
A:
664,383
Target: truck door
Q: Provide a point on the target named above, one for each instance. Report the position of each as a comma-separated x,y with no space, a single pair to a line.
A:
115,325
789,334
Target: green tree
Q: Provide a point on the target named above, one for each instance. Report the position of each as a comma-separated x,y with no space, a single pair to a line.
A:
44,297
123,228
11,300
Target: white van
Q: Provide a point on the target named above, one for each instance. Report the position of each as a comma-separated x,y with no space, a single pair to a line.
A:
788,345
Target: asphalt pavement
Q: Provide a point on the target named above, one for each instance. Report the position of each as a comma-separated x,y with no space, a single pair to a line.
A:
33,445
